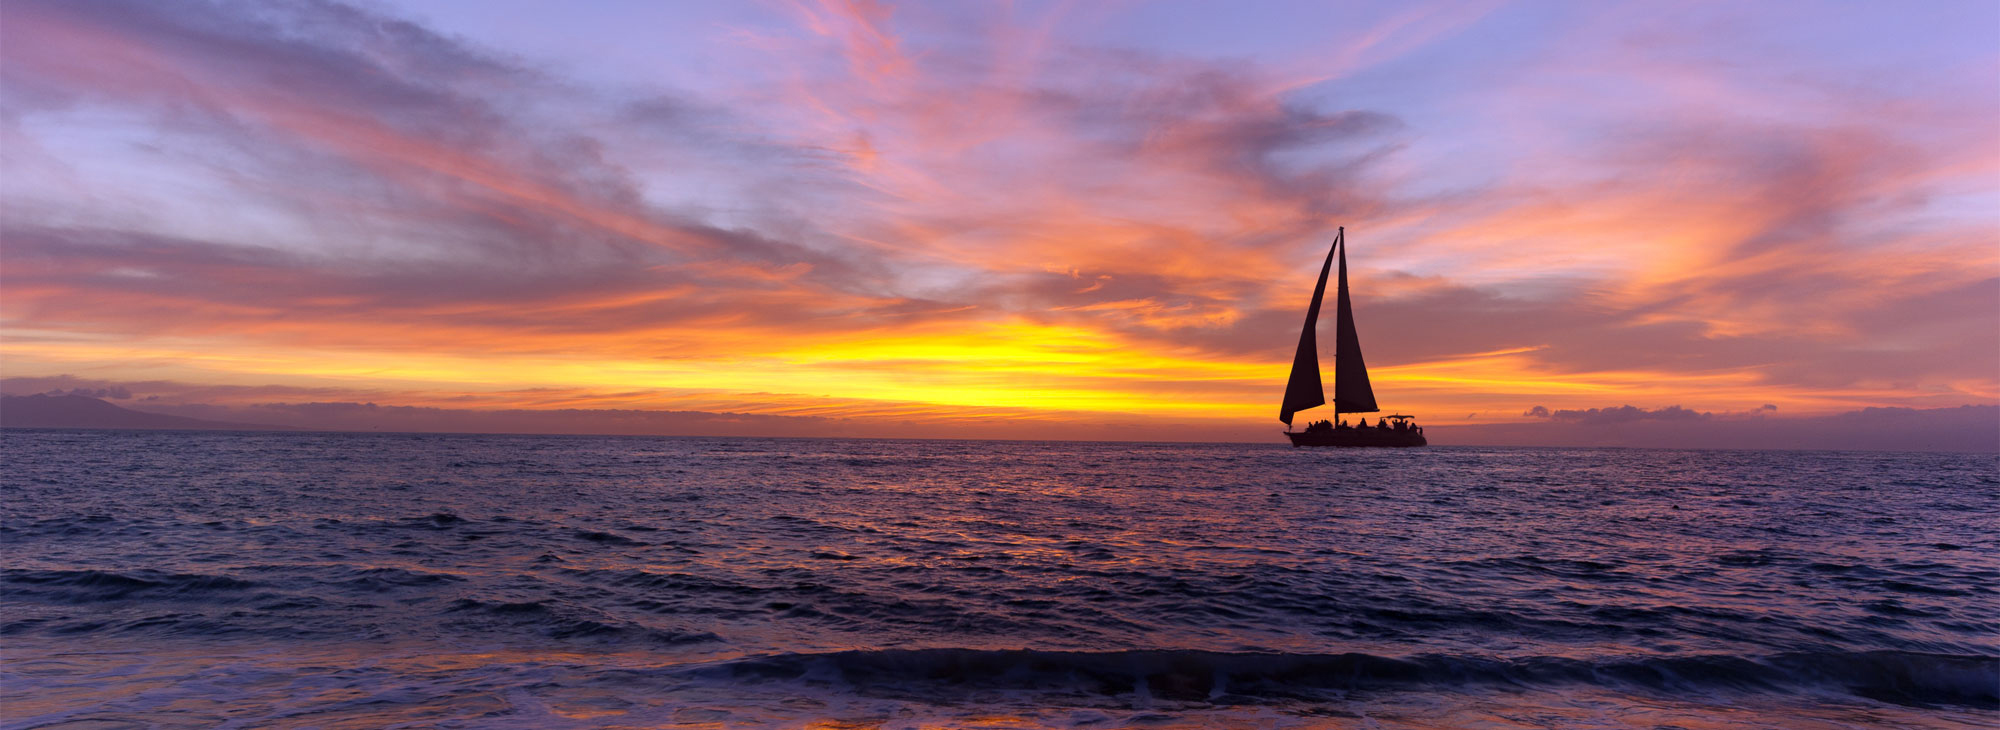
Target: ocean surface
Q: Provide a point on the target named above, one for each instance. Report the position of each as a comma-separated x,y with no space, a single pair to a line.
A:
189,579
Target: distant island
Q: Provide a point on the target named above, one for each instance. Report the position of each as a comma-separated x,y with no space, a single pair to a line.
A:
77,411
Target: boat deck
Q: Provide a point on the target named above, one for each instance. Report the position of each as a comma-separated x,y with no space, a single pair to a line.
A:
1358,437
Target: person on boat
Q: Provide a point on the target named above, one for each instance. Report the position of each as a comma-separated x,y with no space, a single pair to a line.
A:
1382,423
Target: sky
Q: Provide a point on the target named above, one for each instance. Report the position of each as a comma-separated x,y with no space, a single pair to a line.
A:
1036,215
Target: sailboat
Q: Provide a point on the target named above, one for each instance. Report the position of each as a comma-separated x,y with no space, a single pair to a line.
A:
1351,392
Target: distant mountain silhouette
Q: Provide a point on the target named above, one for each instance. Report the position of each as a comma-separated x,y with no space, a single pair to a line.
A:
76,411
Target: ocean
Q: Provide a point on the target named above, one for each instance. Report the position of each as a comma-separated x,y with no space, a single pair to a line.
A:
259,580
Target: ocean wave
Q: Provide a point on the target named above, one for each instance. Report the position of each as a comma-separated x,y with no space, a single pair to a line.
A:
434,521
366,580
1907,678
606,538
558,621
86,586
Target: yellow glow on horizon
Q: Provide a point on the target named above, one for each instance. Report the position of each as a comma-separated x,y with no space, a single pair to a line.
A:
1012,369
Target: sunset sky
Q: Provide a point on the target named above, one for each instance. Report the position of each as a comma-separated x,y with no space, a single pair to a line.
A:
953,211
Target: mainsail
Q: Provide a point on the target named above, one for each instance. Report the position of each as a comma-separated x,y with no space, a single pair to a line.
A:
1303,391
1351,393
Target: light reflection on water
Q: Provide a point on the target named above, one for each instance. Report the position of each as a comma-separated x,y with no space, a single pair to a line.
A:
314,580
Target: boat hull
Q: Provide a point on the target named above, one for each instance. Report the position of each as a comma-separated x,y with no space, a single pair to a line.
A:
1358,438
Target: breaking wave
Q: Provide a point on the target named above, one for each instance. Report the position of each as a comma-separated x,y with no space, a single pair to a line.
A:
1900,677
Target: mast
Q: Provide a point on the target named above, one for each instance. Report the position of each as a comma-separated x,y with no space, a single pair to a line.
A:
1304,390
1351,392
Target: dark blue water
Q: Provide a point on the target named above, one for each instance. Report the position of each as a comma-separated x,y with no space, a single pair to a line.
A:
310,580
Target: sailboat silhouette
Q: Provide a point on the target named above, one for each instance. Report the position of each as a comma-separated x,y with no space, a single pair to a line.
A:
1351,391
